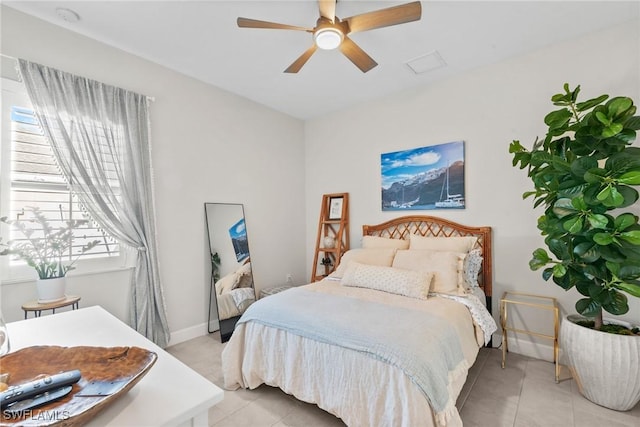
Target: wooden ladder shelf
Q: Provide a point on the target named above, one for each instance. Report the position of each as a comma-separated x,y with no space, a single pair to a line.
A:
333,227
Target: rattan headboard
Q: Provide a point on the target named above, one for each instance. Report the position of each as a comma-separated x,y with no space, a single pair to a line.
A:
403,227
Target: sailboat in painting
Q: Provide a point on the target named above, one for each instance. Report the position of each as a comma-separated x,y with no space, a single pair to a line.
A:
452,200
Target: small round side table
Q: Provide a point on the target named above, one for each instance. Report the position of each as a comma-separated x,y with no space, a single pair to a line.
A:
37,307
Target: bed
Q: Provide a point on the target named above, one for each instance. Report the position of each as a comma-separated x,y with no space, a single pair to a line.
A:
235,292
387,339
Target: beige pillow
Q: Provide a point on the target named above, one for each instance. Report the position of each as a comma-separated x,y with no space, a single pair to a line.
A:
447,268
375,242
409,283
227,283
382,257
450,244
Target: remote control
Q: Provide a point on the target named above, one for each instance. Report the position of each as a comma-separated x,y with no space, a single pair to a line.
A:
38,399
39,386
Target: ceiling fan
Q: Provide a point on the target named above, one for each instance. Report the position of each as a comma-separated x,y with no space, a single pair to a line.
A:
332,32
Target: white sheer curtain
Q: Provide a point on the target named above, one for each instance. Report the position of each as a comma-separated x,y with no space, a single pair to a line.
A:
100,138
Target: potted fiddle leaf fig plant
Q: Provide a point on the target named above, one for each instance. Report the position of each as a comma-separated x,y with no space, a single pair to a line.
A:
584,172
46,249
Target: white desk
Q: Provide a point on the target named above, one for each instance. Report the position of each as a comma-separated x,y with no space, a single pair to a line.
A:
170,394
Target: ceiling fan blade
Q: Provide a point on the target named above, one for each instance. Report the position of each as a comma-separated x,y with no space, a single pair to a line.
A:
385,17
356,55
327,9
302,59
254,23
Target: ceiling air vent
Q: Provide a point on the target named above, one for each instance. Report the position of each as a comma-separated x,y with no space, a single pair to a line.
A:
427,62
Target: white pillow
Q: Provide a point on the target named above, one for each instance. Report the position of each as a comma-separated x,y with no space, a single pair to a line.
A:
450,244
375,242
412,284
447,268
382,257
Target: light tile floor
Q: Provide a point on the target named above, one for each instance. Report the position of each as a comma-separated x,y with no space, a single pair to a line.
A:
524,394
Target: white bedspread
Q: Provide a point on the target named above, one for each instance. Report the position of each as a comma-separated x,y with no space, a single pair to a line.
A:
361,390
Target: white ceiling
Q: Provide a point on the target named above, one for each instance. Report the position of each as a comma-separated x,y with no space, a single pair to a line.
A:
201,39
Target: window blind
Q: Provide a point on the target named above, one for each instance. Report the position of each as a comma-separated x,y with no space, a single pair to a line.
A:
36,181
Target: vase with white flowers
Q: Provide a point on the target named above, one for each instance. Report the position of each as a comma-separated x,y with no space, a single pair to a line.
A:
47,250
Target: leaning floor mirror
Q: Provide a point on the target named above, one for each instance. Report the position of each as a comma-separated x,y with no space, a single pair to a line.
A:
231,286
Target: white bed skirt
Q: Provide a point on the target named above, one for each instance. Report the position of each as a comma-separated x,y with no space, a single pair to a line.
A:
364,391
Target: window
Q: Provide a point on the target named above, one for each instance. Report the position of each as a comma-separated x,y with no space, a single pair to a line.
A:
34,180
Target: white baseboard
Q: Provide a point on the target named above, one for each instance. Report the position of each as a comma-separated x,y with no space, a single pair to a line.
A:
519,345
187,334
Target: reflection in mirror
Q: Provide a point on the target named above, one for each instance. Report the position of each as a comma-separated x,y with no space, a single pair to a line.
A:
231,274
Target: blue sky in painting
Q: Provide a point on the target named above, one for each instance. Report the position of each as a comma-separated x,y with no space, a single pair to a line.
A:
401,165
238,230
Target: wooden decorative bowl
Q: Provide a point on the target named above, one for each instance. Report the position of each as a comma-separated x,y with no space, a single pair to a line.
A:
114,369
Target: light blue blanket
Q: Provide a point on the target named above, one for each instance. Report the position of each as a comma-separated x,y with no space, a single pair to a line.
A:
424,346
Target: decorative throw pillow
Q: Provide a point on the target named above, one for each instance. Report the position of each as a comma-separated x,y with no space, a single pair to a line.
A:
447,268
375,242
382,257
461,244
471,268
412,284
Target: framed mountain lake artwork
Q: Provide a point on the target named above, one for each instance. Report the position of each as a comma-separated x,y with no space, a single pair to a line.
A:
424,178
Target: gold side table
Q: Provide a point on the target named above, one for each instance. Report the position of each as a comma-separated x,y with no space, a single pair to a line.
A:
535,301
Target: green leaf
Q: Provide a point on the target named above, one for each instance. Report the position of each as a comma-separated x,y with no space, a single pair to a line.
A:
613,267
632,123
630,178
610,196
587,251
557,119
598,221
630,288
586,105
559,270
628,272
629,195
516,147
612,130
540,259
588,307
561,99
563,207
597,292
602,118
579,204
611,253
558,248
604,239
624,161
595,175
583,164
573,225
619,105
604,194
632,237
624,221
618,304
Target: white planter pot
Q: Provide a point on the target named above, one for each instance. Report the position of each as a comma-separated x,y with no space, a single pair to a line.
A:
51,290
606,366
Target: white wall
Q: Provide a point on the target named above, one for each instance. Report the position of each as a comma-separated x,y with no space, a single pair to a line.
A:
208,146
487,108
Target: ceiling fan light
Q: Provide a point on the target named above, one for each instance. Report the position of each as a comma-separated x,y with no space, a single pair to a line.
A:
328,38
